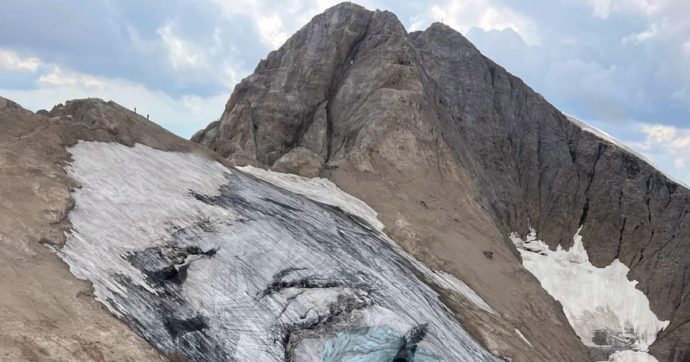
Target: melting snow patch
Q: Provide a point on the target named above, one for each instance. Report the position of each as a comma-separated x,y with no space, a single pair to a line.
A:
601,304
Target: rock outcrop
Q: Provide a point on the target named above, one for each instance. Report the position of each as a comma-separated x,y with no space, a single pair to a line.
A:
455,153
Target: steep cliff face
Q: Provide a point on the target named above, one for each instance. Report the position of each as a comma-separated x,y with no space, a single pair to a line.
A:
455,154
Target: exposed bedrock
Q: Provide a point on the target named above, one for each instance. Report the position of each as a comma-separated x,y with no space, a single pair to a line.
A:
455,153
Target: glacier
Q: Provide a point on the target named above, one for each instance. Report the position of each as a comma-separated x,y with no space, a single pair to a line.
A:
208,263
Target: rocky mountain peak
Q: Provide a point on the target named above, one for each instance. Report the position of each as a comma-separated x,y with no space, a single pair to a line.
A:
312,86
352,96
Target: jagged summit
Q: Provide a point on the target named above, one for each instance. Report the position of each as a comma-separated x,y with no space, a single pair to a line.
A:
344,32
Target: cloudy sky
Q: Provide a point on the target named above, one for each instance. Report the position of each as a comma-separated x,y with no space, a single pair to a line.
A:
620,65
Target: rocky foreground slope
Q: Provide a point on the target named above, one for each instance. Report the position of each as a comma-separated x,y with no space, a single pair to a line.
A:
456,154
46,313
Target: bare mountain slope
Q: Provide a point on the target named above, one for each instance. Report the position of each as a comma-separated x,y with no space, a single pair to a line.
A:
46,313
455,154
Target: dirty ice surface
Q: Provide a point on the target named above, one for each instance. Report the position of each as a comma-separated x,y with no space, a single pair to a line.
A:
632,356
318,189
208,264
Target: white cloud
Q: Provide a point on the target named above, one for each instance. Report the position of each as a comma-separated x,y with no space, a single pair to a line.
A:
601,8
463,15
637,38
664,18
272,30
180,52
267,18
669,145
669,137
605,8
211,59
659,134
679,163
58,78
275,23
10,60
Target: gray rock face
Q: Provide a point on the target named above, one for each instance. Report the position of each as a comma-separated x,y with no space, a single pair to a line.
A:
355,89
299,97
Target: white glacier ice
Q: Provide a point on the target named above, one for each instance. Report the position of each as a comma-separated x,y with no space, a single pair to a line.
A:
123,220
592,298
210,264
